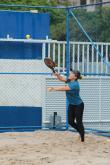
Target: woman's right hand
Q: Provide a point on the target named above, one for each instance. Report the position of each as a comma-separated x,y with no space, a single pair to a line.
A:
55,74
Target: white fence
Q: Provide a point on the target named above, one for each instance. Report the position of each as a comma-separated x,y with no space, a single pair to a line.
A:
31,90
95,93
83,56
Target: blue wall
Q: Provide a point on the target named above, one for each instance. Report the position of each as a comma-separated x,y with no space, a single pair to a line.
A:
20,117
17,25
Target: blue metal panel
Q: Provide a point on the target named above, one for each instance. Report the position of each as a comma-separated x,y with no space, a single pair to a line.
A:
13,117
17,25
20,51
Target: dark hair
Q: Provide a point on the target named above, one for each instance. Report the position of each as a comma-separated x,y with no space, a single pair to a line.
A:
77,74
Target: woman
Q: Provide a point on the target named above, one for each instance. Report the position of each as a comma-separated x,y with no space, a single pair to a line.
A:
76,105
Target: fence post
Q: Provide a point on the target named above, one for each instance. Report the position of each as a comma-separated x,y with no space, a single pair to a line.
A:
67,57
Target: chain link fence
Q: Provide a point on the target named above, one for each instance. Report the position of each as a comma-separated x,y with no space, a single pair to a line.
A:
95,94
24,99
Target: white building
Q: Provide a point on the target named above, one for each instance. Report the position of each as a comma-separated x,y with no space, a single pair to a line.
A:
83,2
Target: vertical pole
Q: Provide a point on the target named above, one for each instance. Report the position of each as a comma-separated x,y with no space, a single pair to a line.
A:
67,58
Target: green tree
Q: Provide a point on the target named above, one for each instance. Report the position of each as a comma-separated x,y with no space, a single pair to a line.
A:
97,24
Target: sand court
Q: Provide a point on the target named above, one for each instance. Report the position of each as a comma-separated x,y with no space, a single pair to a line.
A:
53,148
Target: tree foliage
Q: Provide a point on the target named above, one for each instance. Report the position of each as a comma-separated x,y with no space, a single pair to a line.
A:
97,24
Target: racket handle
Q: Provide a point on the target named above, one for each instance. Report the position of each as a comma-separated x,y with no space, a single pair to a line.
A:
53,70
68,80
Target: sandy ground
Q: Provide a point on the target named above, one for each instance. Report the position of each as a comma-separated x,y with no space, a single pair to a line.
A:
53,148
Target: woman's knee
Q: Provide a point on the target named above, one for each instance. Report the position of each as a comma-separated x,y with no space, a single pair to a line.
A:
80,125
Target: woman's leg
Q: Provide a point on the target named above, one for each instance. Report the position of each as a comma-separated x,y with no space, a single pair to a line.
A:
79,118
71,116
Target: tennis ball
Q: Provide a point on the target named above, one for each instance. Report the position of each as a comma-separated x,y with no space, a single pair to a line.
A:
28,36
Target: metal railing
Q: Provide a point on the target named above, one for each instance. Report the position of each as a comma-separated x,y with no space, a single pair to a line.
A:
83,56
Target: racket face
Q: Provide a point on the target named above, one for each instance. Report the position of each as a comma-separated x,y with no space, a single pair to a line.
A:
49,63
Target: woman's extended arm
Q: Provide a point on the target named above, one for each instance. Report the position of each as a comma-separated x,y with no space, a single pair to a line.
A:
60,88
60,77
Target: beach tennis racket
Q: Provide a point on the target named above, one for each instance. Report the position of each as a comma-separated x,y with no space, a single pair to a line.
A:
49,63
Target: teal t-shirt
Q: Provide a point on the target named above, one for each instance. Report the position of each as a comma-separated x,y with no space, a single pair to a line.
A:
73,94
